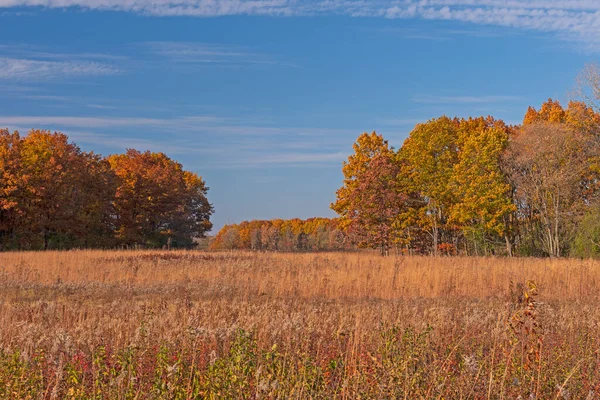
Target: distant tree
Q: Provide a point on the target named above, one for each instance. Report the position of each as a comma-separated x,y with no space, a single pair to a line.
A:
281,235
271,235
231,238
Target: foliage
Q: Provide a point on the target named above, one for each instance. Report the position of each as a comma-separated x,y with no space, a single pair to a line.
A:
156,200
313,234
548,165
587,238
430,153
54,195
372,197
476,185
478,182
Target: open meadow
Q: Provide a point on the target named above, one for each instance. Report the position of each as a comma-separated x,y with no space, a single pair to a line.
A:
180,325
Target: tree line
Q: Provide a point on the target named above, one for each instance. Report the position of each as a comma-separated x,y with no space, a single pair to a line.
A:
53,195
313,234
478,186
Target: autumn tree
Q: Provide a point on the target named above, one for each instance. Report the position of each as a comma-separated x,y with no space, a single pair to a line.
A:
66,193
550,111
10,171
429,156
93,203
371,198
314,234
578,116
193,217
157,200
483,201
366,147
54,195
376,203
548,162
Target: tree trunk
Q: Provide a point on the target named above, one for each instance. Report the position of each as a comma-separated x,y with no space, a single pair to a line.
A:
508,246
46,238
435,236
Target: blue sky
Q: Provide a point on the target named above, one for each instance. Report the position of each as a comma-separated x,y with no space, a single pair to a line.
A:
265,98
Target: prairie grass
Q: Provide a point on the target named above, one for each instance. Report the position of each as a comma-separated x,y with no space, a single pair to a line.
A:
180,325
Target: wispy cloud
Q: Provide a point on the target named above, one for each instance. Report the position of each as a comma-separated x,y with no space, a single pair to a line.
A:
191,122
300,158
234,142
431,33
397,121
23,62
36,70
101,106
465,99
125,142
208,53
572,19
29,51
45,97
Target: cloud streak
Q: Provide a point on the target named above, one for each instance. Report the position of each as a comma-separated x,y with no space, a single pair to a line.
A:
236,143
208,53
38,70
191,122
572,19
465,99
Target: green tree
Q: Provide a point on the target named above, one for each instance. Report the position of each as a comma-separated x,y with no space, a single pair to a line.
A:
586,242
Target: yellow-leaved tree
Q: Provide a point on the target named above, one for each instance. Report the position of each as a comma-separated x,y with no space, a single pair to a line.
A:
484,205
428,158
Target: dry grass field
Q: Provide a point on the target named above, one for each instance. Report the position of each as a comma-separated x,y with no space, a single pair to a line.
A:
181,325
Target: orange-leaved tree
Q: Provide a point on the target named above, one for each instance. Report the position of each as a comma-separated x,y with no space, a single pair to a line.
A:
313,234
65,193
371,198
9,183
156,201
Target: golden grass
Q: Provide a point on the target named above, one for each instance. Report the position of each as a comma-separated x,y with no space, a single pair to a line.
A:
265,325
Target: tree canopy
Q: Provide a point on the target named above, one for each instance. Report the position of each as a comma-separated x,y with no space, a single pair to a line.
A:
476,185
54,195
